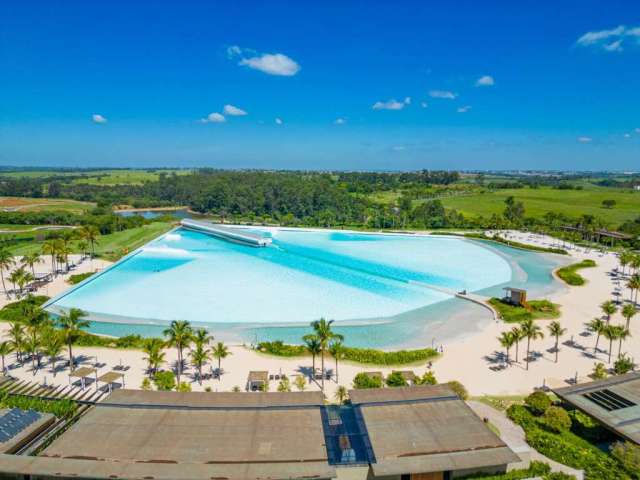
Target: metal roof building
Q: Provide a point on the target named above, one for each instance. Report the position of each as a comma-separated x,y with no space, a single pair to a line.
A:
423,431
614,402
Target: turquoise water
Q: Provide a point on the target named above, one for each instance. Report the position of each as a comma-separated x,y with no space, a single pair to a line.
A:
382,290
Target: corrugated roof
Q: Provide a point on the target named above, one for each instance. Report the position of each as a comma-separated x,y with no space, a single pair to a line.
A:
623,421
426,429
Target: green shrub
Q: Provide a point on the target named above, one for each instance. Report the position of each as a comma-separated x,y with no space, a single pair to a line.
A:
13,311
623,365
458,388
146,384
628,454
64,408
362,381
536,469
428,378
558,476
570,275
557,419
281,349
79,277
599,371
395,379
535,309
165,380
538,402
586,427
184,387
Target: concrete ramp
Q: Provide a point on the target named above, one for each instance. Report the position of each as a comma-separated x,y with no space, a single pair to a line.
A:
226,233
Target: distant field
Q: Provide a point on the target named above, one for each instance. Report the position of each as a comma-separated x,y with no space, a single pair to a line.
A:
24,204
125,177
539,201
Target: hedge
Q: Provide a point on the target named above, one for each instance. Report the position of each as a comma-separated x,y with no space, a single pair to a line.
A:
60,408
570,275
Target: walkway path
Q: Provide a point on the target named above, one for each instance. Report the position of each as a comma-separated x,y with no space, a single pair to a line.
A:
513,435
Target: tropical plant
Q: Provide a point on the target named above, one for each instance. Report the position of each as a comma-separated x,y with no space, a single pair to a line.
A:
608,308
31,260
50,247
17,338
395,379
622,334
428,378
164,380
199,356
530,331
6,262
596,326
179,335
599,371
538,402
201,337
612,333
5,349
623,365
220,351
628,454
506,340
284,385
90,234
155,357
146,384
557,419
324,334
556,331
517,336
183,387
52,344
312,344
341,394
633,284
362,380
71,325
336,350
300,383
458,388
628,312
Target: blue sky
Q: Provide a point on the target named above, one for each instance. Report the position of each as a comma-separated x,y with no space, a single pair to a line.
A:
321,85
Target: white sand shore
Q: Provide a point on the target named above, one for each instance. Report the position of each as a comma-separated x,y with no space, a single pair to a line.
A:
470,359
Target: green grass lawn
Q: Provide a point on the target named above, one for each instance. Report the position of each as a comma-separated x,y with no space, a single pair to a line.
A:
536,309
539,201
124,177
570,275
28,204
110,247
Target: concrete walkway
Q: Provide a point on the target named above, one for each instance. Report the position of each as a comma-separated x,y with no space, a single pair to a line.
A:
513,435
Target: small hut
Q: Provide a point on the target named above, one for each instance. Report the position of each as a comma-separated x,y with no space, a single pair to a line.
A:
515,296
257,381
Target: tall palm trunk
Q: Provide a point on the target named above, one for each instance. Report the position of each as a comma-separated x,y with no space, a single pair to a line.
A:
179,370
4,287
336,369
70,358
528,345
620,347
53,365
322,367
610,348
517,345
595,349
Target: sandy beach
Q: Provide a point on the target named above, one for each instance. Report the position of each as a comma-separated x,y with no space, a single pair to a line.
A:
473,359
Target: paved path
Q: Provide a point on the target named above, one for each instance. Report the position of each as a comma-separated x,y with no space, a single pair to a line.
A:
513,435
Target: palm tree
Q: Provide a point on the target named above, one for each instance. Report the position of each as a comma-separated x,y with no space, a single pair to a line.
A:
52,345
506,339
622,334
32,347
91,234
180,336
517,336
625,259
556,330
17,339
16,277
312,345
50,247
220,351
199,357
324,334
336,350
530,331
608,308
71,325
596,326
201,337
6,262
610,332
35,319
341,394
5,349
155,356
83,245
634,285
31,260
629,311
25,279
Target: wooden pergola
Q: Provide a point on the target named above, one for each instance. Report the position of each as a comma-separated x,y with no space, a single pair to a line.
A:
110,378
83,373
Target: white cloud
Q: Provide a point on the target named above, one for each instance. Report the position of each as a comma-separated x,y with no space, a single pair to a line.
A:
234,111
407,100
611,40
279,121
627,135
234,50
485,81
464,109
389,105
272,63
443,94
424,104
97,118
214,117
585,139
339,121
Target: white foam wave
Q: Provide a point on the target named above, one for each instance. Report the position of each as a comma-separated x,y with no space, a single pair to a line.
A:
167,251
173,237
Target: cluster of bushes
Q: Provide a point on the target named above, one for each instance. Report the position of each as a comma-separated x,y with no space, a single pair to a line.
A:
570,273
60,408
534,310
357,355
14,311
395,379
79,277
551,431
128,341
536,470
